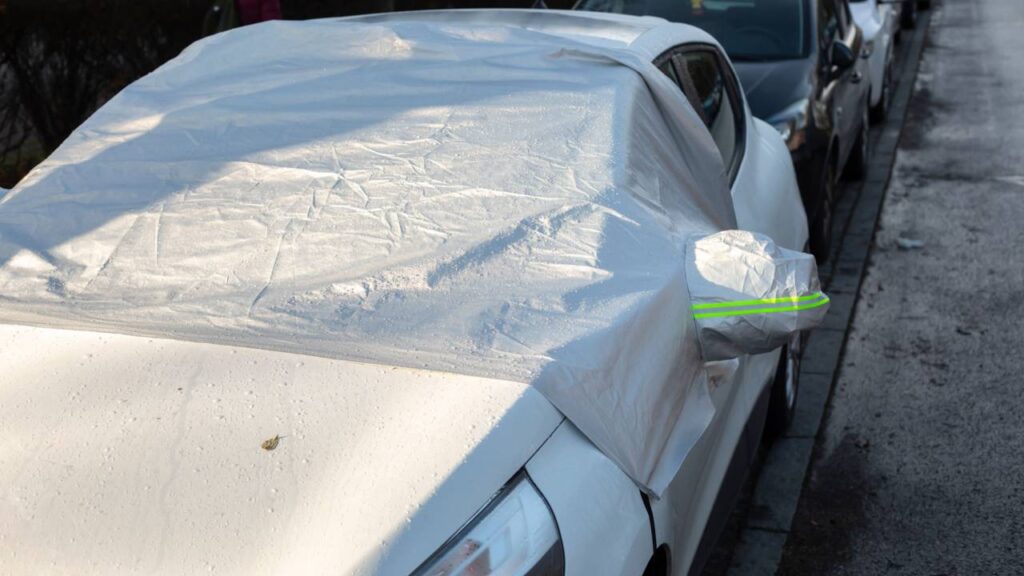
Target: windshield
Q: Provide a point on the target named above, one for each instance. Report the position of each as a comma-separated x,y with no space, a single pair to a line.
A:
747,29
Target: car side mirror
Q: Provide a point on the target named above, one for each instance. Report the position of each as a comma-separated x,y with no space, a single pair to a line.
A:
842,58
748,295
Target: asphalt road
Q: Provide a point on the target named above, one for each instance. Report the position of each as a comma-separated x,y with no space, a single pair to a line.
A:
919,469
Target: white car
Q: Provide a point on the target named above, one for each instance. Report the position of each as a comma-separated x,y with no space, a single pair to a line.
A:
880,23
430,293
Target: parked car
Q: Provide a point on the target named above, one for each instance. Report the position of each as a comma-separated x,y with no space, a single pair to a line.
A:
798,63
472,292
879,22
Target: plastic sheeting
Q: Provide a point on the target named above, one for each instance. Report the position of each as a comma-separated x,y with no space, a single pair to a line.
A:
485,200
749,295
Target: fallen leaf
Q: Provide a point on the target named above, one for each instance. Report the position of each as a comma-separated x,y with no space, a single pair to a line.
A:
271,444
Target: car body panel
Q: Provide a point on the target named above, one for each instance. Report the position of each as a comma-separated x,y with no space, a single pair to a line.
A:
124,454
852,89
879,23
765,194
682,514
600,512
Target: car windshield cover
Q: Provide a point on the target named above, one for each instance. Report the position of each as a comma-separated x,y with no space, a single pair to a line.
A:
468,198
747,29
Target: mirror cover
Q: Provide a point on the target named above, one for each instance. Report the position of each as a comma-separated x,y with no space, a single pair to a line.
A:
749,295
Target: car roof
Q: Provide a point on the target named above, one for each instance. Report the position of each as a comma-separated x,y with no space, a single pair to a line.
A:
647,36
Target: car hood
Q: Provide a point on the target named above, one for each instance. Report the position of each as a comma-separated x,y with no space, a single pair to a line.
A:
123,454
771,87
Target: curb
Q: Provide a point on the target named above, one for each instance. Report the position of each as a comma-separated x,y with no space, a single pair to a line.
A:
780,481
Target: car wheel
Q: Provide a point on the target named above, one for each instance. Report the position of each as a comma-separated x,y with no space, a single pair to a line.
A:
785,388
821,227
908,19
857,165
880,111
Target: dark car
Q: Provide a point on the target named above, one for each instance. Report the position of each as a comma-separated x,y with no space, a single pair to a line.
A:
799,66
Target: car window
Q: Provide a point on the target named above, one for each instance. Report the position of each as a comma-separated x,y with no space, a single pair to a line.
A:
716,99
668,67
669,70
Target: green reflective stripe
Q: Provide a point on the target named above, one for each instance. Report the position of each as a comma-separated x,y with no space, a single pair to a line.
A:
738,303
777,309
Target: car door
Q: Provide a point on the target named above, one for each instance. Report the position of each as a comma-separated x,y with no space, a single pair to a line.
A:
709,84
849,83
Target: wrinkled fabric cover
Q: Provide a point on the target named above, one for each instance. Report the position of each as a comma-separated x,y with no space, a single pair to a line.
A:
749,295
482,200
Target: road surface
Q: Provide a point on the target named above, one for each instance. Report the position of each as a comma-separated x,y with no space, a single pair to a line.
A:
919,469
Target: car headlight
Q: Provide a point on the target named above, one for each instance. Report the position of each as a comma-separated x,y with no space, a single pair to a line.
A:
514,535
867,49
791,123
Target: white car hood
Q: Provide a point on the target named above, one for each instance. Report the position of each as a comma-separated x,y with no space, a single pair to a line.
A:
124,455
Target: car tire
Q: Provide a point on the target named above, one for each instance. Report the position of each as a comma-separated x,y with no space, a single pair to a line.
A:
821,227
857,164
880,111
908,18
785,388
